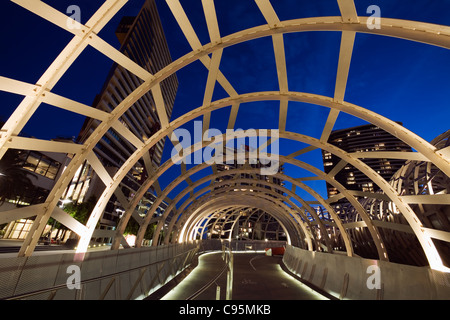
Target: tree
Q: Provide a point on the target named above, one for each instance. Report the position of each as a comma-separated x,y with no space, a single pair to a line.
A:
78,211
81,211
133,228
15,182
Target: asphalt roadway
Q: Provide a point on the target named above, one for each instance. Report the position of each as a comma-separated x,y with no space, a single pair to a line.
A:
255,277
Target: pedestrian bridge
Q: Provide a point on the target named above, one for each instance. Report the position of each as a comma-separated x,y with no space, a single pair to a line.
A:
198,270
385,244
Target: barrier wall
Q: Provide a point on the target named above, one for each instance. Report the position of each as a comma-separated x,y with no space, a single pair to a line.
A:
356,278
239,245
111,274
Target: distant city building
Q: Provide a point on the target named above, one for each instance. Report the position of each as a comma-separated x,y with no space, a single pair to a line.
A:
143,41
364,138
236,164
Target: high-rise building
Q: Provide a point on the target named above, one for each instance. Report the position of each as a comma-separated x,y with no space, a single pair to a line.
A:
365,138
143,41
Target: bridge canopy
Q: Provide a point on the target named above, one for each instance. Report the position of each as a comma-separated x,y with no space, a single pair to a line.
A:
261,87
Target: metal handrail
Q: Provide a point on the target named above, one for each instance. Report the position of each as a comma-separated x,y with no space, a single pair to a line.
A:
115,274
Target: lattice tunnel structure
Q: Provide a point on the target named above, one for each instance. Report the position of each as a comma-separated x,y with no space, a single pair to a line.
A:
407,221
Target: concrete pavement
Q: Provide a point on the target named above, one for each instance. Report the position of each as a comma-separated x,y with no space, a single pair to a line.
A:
256,277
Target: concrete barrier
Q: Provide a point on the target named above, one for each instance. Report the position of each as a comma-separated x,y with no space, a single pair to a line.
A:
364,279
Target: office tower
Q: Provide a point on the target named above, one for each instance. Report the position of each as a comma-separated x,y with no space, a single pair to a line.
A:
364,138
143,41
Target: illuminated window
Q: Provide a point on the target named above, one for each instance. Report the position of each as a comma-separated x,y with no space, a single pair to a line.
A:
42,165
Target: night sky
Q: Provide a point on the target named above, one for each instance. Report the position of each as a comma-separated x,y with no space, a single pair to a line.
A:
401,80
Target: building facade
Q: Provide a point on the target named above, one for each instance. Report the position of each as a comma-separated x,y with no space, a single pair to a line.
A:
142,39
364,138
43,170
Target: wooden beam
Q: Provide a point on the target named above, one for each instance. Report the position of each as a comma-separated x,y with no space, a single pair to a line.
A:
268,12
345,57
211,20
44,145
348,11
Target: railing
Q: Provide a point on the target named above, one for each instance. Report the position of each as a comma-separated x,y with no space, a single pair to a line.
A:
111,274
239,245
344,277
114,274
227,256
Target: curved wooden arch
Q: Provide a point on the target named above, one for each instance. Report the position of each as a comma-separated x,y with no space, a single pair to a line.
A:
236,199
305,224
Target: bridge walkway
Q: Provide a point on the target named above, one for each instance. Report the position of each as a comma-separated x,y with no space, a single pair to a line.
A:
255,277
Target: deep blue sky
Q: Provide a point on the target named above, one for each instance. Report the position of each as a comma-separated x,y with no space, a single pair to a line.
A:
402,80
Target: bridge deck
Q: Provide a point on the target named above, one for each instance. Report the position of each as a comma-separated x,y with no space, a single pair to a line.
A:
255,277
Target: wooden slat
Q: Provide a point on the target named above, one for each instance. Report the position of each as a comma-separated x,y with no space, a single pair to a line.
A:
283,115
437,234
427,199
99,168
302,151
390,155
233,115
348,10
345,57
127,134
331,120
185,24
211,20
121,198
338,167
194,42
67,220
20,213
280,59
210,84
17,87
118,57
160,106
74,106
44,145
268,12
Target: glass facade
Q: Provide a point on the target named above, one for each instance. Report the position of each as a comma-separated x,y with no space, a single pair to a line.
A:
42,165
